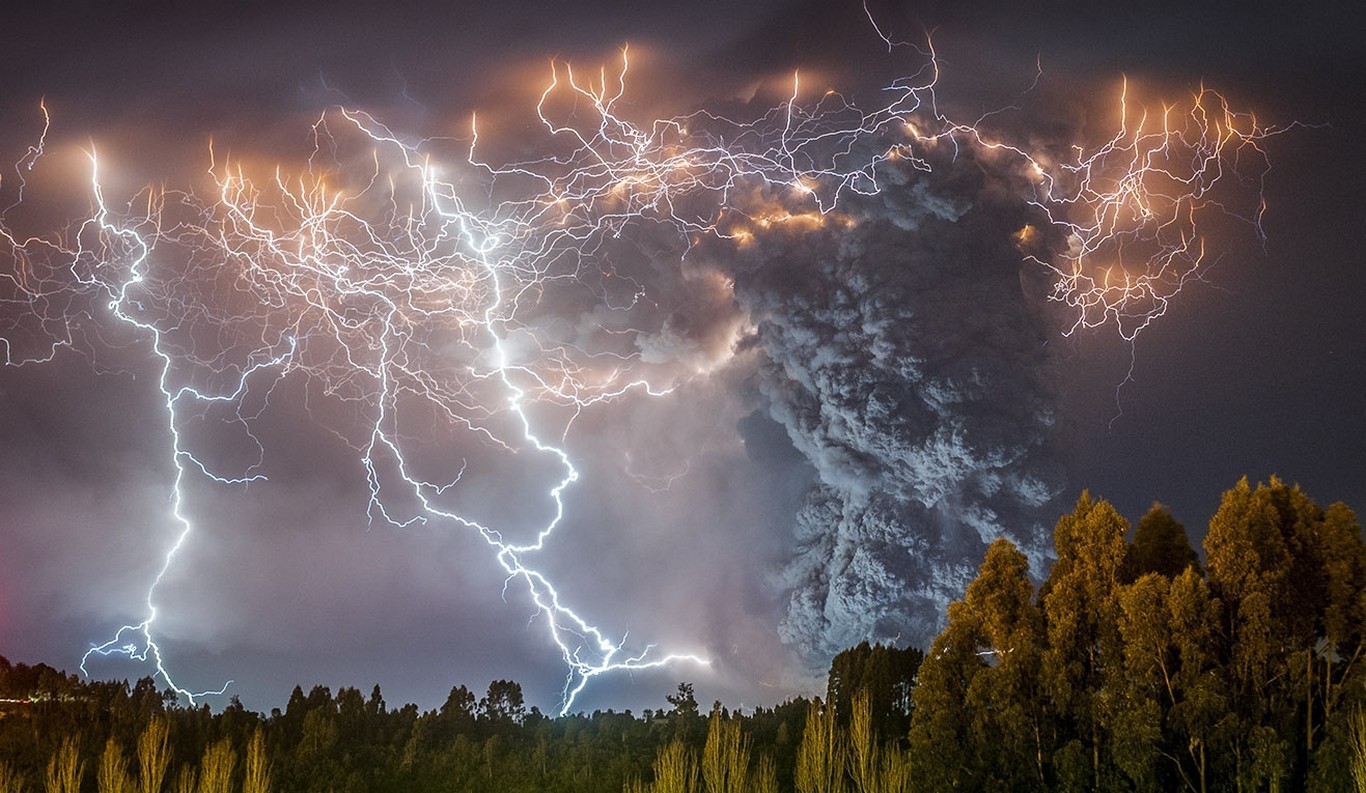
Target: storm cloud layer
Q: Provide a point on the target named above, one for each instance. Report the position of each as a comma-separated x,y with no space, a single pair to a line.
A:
858,404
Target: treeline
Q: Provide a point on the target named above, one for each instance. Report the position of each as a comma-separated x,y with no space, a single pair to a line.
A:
1132,666
61,735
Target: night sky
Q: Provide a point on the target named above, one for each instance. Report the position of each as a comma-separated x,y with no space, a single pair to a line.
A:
781,486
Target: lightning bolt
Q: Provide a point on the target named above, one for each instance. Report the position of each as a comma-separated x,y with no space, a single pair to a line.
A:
400,282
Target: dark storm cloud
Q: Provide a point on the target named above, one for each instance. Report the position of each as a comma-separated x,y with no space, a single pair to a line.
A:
879,401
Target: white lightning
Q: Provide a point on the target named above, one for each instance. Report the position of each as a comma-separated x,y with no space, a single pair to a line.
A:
410,284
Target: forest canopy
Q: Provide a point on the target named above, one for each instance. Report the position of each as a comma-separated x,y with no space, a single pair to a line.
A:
1134,665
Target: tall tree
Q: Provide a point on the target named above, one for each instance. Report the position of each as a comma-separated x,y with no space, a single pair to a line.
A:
765,776
187,780
675,769
725,757
1010,722
865,753
1358,740
112,776
1145,692
65,768
942,752
256,771
1262,562
216,767
683,700
456,717
503,704
980,719
1160,546
1344,614
1081,608
888,675
684,718
154,754
821,753
1199,719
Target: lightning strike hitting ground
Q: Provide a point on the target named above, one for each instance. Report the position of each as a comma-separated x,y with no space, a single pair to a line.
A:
402,281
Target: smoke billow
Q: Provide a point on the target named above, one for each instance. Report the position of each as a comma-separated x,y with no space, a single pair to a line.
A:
900,351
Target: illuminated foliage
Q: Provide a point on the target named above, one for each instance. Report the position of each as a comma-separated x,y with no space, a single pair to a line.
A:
216,767
821,755
113,769
65,769
256,777
980,685
1084,655
154,755
1160,681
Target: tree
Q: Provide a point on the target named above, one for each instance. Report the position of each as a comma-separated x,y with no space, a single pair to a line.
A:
886,673
1263,566
256,776
1081,609
187,781
725,757
215,769
113,772
684,717
154,754
979,718
1358,738
864,757
943,755
1160,546
1147,689
765,776
65,768
318,739
456,716
1199,717
1009,720
683,701
1344,614
821,754
675,769
503,703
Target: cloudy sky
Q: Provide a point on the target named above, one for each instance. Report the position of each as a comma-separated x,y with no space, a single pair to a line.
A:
855,407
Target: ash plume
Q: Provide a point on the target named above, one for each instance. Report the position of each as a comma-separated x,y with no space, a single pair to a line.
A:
905,358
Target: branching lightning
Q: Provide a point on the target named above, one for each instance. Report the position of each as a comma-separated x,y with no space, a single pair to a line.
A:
404,283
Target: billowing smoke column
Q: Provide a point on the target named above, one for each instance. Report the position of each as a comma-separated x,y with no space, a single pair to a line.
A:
904,358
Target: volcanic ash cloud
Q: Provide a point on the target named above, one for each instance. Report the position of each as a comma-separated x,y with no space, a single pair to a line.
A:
901,351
